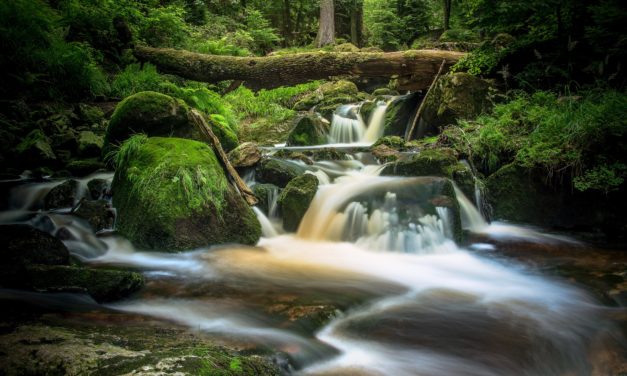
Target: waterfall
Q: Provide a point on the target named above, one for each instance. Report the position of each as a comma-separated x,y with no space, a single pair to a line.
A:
267,229
376,123
347,126
471,217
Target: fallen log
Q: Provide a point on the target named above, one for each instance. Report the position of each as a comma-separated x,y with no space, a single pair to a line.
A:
206,131
416,67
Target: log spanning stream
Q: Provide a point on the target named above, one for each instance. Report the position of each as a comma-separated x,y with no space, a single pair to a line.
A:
394,293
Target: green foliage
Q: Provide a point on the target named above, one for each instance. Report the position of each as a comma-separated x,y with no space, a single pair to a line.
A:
582,137
36,59
263,37
134,79
459,35
483,60
165,27
219,47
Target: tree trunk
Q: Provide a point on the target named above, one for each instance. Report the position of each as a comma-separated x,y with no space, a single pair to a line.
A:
287,22
326,25
414,69
357,23
447,13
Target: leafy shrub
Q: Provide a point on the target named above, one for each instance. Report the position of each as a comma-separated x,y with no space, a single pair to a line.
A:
165,27
218,47
134,79
583,137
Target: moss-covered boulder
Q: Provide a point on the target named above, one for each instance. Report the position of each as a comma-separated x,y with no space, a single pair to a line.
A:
346,47
393,142
34,150
400,113
171,194
64,195
329,95
247,154
455,96
310,129
434,162
384,92
222,130
151,113
89,144
278,172
295,199
102,284
84,167
327,154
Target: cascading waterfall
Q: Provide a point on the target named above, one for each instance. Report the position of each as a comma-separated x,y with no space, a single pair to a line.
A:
376,123
347,125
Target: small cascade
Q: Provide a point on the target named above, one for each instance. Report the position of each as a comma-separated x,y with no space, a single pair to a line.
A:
376,123
267,228
471,217
347,125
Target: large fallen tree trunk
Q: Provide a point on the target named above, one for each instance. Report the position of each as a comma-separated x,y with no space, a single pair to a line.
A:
415,68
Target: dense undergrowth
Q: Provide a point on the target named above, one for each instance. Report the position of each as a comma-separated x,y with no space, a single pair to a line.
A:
581,137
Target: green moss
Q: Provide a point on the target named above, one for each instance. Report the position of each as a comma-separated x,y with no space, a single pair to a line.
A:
84,167
35,147
399,113
295,199
393,142
309,130
172,194
152,113
428,162
101,284
277,171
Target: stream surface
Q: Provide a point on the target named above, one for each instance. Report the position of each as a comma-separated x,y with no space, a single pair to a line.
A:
370,284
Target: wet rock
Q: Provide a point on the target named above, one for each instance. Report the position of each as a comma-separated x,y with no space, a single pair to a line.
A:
102,284
328,154
295,199
265,193
98,188
245,155
98,214
310,129
429,162
89,144
84,167
455,96
400,113
294,155
385,153
171,194
151,113
63,195
25,245
329,95
278,172
393,142
35,150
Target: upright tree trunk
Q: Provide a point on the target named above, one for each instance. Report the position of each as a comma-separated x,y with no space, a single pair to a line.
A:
326,28
447,13
287,22
357,23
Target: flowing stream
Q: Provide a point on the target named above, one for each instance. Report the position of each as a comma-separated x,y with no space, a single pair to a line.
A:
373,257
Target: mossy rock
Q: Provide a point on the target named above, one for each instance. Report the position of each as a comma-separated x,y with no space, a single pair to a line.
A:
329,94
64,195
385,92
294,155
310,129
84,167
247,154
98,188
35,150
90,114
171,194
327,154
102,284
400,113
151,113
222,130
295,199
89,144
346,47
366,109
454,97
278,172
97,213
429,162
393,142
385,153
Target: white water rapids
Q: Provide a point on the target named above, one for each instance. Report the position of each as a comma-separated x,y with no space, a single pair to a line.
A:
404,298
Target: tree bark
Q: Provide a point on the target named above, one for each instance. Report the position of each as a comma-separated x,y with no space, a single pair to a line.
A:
326,25
414,69
447,13
357,23
287,22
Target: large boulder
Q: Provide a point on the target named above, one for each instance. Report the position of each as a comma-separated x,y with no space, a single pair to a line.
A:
151,113
245,155
329,96
295,199
434,162
171,194
89,144
454,97
310,129
277,171
400,113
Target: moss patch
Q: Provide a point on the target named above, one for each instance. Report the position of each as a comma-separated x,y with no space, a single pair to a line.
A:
295,199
